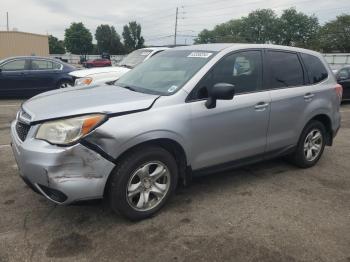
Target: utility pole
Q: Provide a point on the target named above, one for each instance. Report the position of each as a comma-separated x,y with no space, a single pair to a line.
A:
7,21
177,12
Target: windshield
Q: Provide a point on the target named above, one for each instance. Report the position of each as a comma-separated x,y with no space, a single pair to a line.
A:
165,73
135,58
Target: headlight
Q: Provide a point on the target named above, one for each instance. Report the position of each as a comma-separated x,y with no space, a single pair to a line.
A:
84,81
68,131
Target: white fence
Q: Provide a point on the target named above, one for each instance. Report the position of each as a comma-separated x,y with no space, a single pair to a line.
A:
336,61
75,59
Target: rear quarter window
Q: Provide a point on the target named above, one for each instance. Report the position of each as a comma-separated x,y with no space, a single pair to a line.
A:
315,69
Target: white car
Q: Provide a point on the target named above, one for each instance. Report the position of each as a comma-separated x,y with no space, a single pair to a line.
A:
101,75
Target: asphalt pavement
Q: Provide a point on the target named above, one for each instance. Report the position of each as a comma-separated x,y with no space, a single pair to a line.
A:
271,211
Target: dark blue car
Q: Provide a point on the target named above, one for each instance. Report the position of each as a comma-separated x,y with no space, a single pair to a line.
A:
31,75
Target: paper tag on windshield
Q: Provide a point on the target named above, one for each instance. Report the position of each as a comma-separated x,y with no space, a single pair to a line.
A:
200,54
172,89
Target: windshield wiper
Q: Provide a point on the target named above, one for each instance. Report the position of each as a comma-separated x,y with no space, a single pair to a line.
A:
129,88
126,66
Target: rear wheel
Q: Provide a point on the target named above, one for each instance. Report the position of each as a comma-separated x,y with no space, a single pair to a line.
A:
143,182
310,146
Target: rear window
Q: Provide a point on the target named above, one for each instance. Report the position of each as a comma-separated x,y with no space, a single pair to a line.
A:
315,68
285,69
135,58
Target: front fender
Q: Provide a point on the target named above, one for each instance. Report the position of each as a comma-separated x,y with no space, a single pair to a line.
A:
115,147
153,135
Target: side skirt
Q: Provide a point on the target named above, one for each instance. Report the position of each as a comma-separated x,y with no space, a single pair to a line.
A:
244,161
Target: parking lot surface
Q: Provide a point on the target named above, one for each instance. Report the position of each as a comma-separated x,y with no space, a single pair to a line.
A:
271,211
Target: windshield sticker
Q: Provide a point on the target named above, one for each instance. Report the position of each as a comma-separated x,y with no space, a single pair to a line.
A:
172,89
200,54
145,53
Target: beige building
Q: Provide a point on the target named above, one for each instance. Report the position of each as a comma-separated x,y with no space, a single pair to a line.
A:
13,43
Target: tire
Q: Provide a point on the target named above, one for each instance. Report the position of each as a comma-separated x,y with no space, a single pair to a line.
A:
129,177
63,84
301,156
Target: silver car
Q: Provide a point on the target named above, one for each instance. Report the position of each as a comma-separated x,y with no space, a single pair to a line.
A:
189,110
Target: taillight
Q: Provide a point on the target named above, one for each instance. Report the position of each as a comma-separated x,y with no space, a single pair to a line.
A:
339,91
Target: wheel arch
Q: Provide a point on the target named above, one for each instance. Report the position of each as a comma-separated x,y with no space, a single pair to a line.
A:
64,79
172,146
326,121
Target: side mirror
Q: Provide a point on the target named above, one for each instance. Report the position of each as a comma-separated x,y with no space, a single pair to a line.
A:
220,91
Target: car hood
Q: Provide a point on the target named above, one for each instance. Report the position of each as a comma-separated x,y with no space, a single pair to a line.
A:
110,69
75,101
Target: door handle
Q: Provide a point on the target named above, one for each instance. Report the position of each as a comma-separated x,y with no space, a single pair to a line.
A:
308,96
261,106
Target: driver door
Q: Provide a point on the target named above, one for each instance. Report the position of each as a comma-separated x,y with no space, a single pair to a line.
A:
235,129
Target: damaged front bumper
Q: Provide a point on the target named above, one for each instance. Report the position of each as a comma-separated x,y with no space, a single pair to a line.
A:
62,174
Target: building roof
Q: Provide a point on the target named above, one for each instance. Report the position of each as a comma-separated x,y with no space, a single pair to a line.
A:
22,33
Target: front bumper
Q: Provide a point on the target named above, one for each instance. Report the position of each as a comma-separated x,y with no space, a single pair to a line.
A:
61,174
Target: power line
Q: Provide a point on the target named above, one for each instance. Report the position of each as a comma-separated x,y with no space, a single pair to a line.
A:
193,16
161,37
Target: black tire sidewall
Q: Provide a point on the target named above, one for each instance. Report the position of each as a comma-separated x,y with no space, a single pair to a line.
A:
122,173
299,156
63,82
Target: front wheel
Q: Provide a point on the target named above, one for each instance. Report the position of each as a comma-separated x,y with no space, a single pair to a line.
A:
64,84
143,182
311,145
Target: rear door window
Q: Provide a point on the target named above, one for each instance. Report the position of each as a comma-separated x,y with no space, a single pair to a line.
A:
315,68
42,65
285,69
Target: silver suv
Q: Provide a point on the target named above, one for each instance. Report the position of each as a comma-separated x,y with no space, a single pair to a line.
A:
189,110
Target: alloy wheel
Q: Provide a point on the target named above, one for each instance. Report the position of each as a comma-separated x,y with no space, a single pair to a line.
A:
313,145
148,185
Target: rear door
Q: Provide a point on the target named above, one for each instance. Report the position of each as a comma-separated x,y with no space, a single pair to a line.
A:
290,96
43,74
14,77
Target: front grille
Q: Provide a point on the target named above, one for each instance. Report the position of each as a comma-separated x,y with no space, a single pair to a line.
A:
22,130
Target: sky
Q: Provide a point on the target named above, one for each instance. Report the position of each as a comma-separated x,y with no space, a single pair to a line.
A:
157,17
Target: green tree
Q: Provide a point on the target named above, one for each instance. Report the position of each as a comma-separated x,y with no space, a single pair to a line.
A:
260,27
78,39
108,40
231,31
335,35
205,36
56,46
228,32
95,50
298,29
132,36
